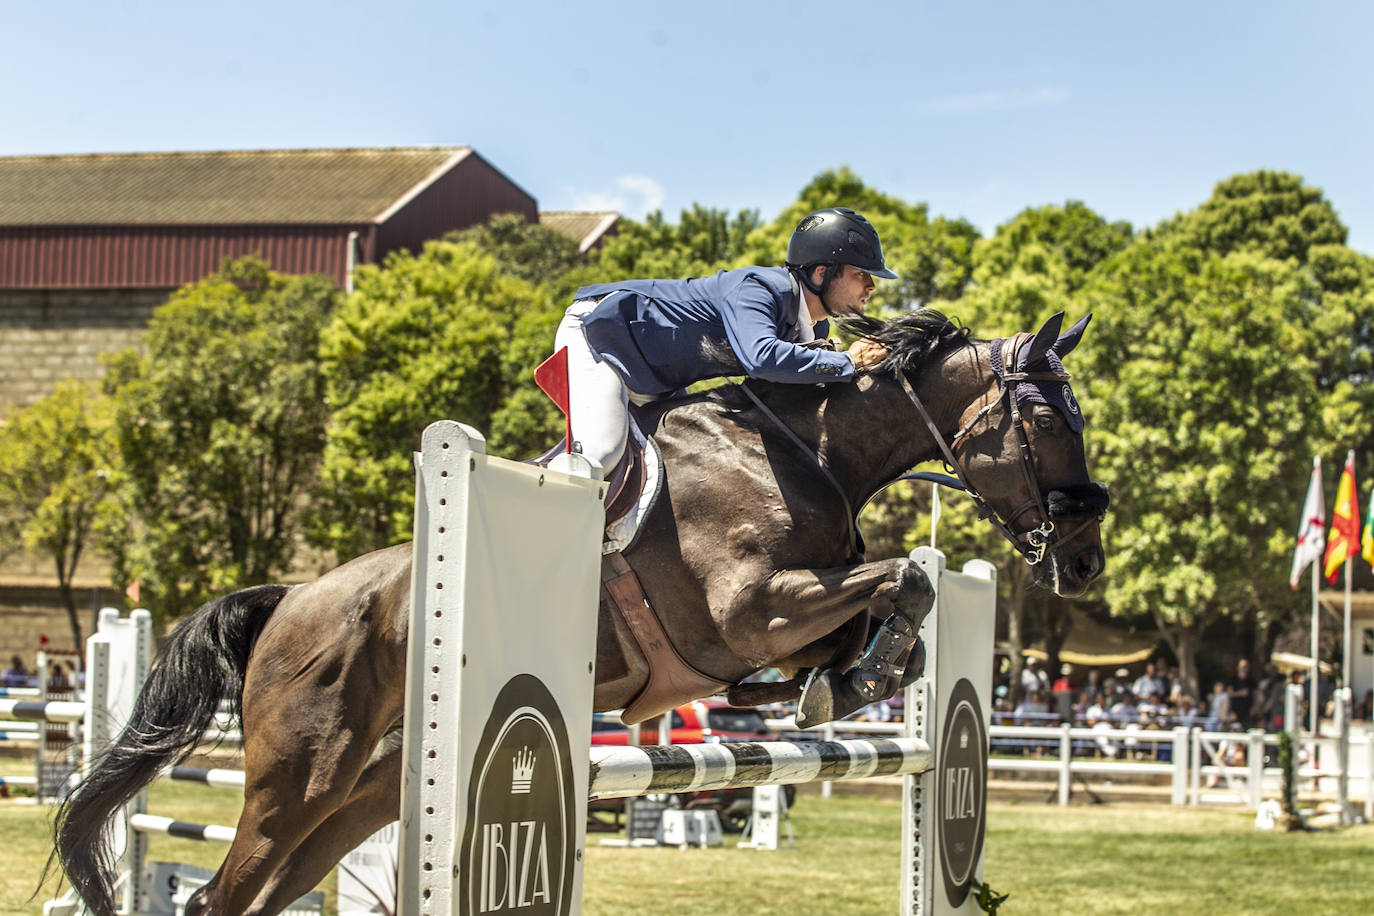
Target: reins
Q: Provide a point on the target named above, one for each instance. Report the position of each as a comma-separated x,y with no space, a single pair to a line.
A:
855,552
1031,544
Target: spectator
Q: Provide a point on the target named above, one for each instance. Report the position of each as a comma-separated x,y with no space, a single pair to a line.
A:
1219,709
1033,709
1033,678
1064,683
1095,712
16,675
1242,690
1093,686
1063,694
1001,706
1119,687
57,680
1171,680
1186,711
1150,686
1124,710
1147,708
1268,698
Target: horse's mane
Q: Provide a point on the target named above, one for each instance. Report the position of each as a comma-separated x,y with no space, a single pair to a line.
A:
913,340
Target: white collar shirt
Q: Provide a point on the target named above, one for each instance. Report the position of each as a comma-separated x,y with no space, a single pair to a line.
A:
806,332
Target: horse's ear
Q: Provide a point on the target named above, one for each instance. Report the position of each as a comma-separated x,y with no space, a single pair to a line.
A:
1044,339
1070,338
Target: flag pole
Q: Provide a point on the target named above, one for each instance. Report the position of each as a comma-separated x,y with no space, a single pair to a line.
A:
1316,681
1349,571
934,511
1345,636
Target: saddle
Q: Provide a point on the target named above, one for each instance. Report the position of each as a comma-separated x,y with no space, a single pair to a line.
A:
632,487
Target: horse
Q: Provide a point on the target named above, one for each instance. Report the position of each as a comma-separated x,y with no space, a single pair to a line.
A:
750,559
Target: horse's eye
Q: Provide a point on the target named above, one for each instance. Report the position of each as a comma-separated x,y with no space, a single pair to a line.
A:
1045,422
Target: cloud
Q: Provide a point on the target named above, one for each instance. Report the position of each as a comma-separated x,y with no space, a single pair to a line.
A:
996,100
633,195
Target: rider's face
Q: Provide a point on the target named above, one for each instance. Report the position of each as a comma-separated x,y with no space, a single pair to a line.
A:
849,291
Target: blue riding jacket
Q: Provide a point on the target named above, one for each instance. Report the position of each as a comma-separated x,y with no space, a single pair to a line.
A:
663,335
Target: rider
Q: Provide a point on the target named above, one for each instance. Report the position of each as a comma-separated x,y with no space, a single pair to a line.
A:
642,340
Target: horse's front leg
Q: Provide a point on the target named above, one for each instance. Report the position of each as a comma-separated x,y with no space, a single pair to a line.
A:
798,607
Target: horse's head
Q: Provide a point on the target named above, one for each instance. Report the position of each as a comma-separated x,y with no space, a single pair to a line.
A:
1027,465
1018,451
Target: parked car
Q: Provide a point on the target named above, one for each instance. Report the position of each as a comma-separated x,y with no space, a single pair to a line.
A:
698,722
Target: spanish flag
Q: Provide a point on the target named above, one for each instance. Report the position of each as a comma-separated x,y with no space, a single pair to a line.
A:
1344,540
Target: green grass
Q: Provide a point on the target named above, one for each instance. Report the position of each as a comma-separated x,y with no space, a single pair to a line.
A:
1116,858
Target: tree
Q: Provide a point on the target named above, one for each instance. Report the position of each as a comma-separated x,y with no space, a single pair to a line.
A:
932,257
446,333
703,241
220,427
1063,244
1201,374
1274,214
536,254
56,473
1277,215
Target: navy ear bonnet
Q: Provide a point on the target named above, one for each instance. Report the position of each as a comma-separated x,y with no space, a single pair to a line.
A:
1054,392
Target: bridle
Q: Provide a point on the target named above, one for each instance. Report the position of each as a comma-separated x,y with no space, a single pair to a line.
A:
1032,544
1035,542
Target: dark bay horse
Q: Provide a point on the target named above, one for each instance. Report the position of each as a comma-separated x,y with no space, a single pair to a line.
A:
748,559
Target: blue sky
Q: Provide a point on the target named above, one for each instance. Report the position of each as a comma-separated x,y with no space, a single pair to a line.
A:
978,109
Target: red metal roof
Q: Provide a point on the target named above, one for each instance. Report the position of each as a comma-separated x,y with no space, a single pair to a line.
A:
166,219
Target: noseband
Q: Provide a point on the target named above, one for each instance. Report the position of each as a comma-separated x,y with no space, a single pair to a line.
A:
1087,503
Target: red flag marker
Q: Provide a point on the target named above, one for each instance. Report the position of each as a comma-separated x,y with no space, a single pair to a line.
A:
552,377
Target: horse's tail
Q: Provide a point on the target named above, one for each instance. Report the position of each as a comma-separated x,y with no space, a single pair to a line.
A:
202,662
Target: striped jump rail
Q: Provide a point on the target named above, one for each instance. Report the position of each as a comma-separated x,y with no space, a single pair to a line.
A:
18,735
219,778
618,772
38,711
185,830
20,692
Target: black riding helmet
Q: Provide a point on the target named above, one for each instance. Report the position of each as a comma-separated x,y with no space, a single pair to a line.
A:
833,237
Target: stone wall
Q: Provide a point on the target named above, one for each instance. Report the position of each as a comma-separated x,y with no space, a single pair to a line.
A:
28,613
47,336
50,335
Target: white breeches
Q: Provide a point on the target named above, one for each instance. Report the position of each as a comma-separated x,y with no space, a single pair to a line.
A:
597,395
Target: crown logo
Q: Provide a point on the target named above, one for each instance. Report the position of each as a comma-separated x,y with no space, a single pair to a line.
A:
522,773
963,738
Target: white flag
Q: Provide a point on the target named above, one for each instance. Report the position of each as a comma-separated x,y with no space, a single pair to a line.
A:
1312,530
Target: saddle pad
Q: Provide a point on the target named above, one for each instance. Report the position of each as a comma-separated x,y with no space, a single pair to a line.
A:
621,533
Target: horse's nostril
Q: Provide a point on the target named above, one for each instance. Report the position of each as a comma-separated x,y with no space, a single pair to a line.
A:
1089,564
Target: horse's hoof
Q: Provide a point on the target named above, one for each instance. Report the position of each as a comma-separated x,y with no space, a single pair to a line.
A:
817,703
828,696
915,664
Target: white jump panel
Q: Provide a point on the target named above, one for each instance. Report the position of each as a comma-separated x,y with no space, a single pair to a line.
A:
499,683
944,810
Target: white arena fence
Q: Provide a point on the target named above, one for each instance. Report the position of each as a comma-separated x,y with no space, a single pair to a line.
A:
1189,764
